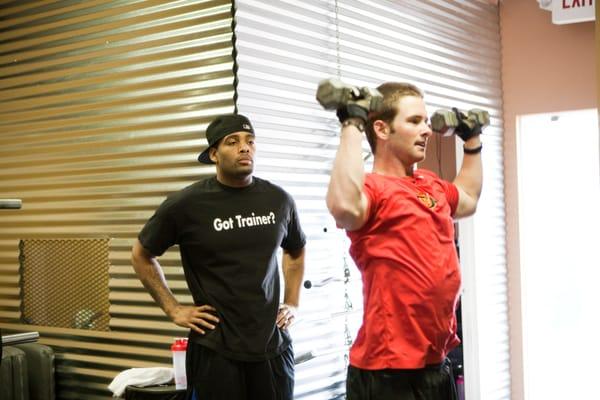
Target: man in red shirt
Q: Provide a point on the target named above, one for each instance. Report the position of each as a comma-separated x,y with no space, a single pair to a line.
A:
400,222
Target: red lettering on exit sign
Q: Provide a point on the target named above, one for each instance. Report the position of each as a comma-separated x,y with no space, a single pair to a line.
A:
572,11
576,3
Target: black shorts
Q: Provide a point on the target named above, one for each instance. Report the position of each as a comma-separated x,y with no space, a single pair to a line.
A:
210,376
430,383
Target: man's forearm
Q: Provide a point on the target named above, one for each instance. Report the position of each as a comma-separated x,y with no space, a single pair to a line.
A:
293,274
470,176
151,275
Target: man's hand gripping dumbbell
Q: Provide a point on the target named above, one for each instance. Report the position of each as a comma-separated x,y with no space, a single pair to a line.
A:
448,122
352,104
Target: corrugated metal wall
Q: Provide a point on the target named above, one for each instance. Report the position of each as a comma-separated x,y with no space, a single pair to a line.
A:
103,106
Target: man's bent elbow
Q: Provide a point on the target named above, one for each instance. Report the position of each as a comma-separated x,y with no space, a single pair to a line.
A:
348,218
466,210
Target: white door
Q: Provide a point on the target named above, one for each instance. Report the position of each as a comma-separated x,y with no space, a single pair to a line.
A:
559,202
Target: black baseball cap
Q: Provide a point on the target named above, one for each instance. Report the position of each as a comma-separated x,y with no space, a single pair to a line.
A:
222,126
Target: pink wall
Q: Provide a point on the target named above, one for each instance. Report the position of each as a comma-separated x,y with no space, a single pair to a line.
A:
545,68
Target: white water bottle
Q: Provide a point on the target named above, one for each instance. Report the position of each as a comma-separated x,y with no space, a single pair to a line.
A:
179,347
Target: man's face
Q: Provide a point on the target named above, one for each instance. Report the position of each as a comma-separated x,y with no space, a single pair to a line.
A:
234,155
410,130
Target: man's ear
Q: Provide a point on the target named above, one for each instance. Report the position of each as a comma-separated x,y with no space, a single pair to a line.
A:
381,129
212,153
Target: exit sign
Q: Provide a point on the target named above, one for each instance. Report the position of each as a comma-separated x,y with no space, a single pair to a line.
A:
571,11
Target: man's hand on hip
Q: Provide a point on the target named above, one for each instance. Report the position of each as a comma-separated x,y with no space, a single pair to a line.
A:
286,315
196,318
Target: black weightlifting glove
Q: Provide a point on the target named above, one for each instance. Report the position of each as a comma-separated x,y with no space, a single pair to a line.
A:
467,127
352,110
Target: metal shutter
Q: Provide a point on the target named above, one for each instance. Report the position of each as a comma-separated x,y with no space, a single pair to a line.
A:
451,49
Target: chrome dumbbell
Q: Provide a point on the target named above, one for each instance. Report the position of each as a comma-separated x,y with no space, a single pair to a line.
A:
333,94
445,122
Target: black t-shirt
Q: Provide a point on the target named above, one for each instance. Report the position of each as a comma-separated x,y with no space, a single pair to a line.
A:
228,240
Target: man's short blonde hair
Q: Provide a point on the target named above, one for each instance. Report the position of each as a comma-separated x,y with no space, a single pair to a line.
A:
392,92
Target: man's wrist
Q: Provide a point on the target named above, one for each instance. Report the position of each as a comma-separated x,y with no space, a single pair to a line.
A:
356,122
473,150
473,141
353,111
171,310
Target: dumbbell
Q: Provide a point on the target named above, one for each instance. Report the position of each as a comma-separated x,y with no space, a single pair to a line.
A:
445,121
333,93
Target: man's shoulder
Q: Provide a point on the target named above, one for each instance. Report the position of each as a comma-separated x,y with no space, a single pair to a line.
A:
202,186
377,182
275,194
433,180
191,191
265,185
425,173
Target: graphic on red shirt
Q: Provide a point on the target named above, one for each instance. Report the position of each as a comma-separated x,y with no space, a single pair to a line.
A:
426,199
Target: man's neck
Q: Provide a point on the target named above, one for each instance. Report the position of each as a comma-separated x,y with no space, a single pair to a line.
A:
392,167
235,182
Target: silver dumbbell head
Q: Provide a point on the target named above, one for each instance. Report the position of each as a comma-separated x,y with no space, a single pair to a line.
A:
332,92
444,122
375,97
481,116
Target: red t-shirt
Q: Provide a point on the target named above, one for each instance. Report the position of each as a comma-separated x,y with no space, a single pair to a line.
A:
409,266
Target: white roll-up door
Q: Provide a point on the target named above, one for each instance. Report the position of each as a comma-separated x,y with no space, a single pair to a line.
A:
451,49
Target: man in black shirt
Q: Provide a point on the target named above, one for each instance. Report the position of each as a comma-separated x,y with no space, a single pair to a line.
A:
229,229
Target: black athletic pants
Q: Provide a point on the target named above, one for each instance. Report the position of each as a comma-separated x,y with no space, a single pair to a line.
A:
210,376
430,383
